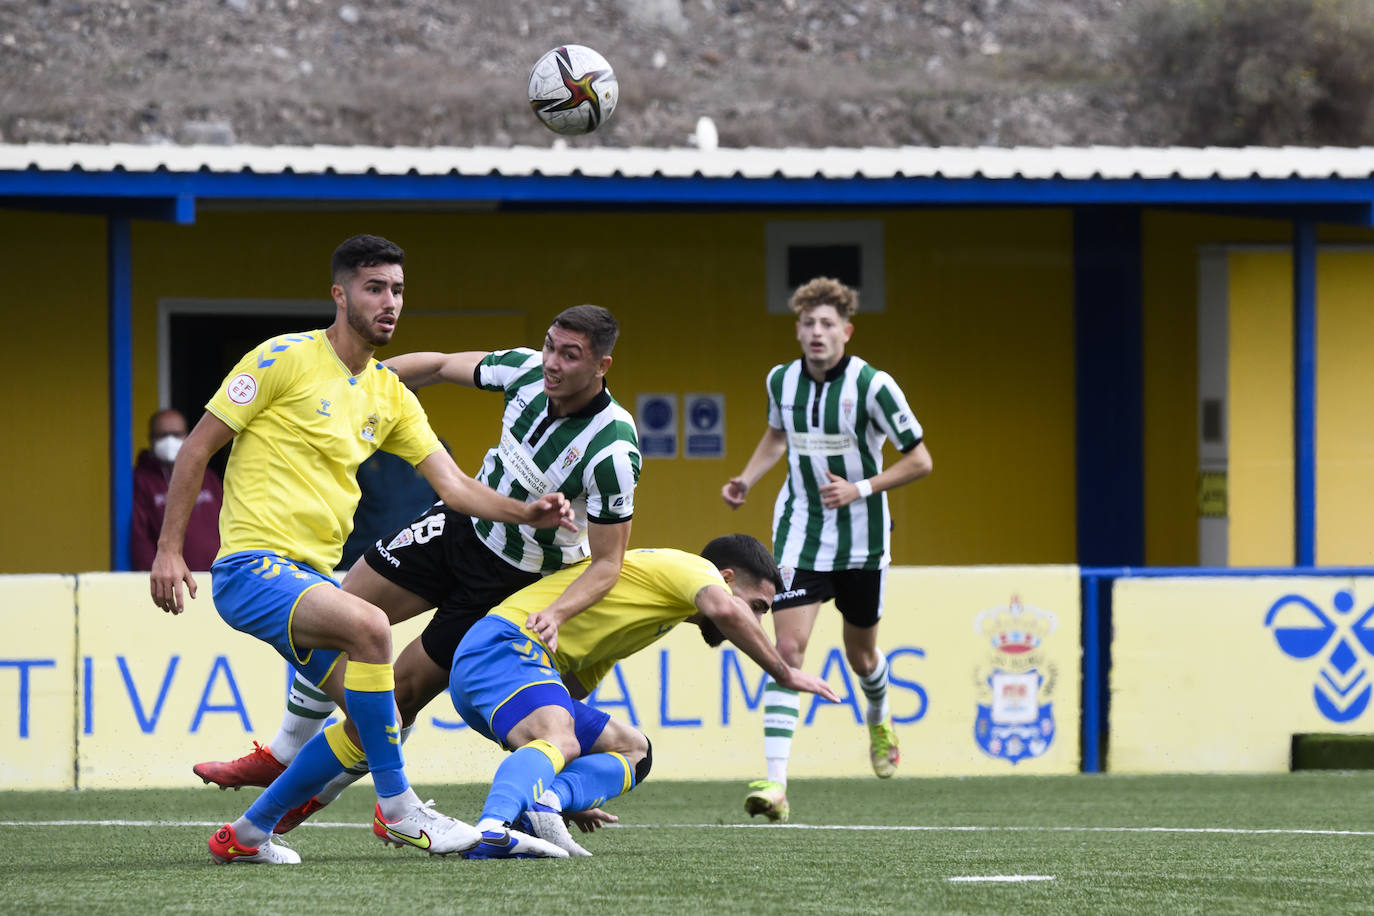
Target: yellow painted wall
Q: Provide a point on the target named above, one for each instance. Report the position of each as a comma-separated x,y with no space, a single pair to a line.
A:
978,331
1171,242
1345,408
1260,392
985,354
55,496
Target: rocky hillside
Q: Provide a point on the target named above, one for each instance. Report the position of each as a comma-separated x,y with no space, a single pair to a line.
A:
431,73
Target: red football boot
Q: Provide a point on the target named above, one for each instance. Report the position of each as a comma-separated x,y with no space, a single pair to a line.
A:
296,816
225,848
256,769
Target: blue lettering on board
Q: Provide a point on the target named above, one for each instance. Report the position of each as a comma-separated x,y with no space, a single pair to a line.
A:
922,702
729,665
146,723
625,702
221,664
24,665
835,660
664,718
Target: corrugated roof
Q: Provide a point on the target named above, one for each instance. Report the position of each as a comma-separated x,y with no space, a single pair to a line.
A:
1093,162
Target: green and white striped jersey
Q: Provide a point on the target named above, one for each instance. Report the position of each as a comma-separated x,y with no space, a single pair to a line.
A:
839,425
592,457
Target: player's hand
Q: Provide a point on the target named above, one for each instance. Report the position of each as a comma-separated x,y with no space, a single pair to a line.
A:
552,511
798,679
590,820
838,492
168,575
545,626
734,492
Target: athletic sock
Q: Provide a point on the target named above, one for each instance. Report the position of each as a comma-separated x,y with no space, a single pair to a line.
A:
520,779
395,807
324,757
369,692
248,833
875,689
781,709
307,708
592,780
351,775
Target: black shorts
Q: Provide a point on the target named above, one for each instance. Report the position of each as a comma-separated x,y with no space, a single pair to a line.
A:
858,593
439,557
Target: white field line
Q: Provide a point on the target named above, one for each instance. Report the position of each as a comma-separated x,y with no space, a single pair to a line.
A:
1233,831
997,879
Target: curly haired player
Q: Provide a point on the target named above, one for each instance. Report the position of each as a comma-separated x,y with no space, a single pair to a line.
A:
830,414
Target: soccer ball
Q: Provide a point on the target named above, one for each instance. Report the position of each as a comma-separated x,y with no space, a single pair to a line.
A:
573,90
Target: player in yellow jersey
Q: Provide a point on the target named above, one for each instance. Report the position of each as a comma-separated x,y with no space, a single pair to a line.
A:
303,411
511,688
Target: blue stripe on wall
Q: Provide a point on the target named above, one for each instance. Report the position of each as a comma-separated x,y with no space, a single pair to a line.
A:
1110,385
121,356
1304,393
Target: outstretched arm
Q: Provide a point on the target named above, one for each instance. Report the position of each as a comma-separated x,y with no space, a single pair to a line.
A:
463,494
420,369
914,465
169,567
607,543
771,447
741,627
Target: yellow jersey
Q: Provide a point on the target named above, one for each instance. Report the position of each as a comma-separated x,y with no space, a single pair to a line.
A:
303,424
657,590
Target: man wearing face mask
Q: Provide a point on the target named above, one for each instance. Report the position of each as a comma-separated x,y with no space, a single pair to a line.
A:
166,431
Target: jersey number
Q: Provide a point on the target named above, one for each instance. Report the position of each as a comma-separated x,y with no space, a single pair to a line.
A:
426,529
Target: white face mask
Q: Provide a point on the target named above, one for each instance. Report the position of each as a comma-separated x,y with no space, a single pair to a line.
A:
166,448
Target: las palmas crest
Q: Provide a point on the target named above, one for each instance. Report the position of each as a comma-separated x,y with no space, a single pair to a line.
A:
1015,682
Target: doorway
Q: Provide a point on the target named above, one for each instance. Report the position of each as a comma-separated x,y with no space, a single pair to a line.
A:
200,340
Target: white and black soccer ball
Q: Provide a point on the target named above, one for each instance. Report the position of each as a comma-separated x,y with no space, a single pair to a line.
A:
573,90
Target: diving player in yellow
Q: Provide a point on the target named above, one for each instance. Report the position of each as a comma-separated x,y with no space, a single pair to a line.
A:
504,686
303,411
510,687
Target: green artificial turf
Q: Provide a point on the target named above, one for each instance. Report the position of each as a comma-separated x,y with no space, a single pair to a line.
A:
1179,844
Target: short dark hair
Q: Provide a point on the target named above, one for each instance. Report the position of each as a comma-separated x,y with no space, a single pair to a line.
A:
363,251
592,320
746,556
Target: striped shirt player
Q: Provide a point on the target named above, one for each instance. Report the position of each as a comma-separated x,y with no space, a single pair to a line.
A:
591,457
837,424
830,414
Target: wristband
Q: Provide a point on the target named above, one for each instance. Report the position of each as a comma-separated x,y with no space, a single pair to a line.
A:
865,488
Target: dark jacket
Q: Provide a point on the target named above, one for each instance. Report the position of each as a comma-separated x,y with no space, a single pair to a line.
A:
150,502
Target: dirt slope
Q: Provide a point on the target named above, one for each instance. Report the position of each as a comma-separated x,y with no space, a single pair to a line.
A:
428,73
